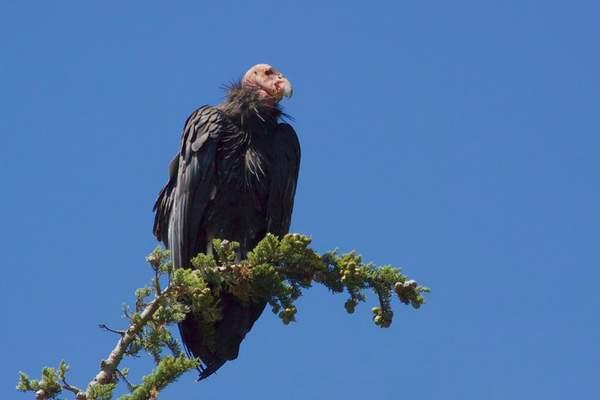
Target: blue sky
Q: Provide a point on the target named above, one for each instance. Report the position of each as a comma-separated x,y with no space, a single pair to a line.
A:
458,140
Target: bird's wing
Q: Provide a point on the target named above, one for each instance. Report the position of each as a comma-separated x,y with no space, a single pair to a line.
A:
285,164
284,176
164,203
193,184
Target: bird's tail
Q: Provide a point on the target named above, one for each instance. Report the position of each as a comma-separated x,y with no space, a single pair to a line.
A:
209,369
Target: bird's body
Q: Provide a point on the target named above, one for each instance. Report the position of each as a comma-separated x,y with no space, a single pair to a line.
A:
234,178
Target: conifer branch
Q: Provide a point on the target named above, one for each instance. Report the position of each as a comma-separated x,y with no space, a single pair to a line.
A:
276,271
109,365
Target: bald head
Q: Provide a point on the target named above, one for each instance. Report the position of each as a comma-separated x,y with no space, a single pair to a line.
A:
269,82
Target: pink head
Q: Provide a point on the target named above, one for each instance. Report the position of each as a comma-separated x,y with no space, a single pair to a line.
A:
270,83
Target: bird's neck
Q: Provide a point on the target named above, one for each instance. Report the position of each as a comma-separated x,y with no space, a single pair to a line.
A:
245,107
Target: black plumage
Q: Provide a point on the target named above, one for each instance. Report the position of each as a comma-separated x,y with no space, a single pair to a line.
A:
234,178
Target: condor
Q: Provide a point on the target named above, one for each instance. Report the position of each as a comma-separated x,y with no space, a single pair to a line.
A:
234,178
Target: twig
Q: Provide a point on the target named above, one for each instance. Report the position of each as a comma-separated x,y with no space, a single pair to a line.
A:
117,331
69,387
157,281
109,366
126,312
122,376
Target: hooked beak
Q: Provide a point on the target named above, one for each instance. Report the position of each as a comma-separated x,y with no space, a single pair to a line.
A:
288,91
283,87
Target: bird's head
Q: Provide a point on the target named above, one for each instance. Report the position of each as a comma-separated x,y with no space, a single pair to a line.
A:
271,85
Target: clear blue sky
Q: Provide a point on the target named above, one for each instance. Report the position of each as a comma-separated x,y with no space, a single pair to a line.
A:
459,140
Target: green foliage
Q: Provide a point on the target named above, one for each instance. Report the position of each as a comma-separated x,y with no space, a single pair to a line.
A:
276,271
166,372
225,250
101,391
63,368
153,339
282,268
26,384
159,260
48,383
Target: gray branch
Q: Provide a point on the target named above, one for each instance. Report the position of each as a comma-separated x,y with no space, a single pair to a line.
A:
108,367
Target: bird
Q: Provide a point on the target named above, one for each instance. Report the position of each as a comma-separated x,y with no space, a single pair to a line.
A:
233,178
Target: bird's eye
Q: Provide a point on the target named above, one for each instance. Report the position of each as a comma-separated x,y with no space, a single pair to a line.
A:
269,72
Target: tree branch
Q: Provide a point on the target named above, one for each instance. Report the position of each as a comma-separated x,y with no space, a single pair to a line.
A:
109,366
277,271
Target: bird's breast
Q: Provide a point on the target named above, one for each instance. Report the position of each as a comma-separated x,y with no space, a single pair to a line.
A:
237,210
